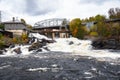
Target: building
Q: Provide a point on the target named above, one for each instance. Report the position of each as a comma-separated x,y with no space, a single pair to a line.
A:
16,27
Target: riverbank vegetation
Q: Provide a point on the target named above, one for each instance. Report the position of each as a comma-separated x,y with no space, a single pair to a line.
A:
102,27
6,41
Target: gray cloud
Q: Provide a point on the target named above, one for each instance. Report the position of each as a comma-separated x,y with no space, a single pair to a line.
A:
39,7
29,7
99,2
36,10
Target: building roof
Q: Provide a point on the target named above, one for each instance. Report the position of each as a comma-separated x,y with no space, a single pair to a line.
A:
13,22
14,25
113,20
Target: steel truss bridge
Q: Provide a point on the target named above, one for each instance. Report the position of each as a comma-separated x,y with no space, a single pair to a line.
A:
50,23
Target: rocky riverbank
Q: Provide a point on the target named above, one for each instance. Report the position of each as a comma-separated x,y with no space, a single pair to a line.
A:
106,44
34,44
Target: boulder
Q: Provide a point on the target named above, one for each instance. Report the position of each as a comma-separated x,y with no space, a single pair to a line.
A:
71,42
48,41
18,50
39,43
46,48
106,44
12,46
35,46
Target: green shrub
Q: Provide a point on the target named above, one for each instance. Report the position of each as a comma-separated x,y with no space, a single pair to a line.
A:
1,43
1,35
95,34
24,38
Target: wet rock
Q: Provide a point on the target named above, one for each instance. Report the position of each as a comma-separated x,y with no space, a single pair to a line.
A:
46,48
51,41
35,46
39,44
1,52
71,42
39,50
106,44
48,41
12,46
32,39
43,43
4,50
18,50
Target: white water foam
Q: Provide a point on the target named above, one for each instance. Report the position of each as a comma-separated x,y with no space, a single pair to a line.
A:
70,45
11,52
38,36
80,47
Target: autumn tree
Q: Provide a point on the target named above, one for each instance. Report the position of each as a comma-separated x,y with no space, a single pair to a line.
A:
100,26
27,25
99,18
23,21
74,24
77,29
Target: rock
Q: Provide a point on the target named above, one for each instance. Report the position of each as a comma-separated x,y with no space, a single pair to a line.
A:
39,50
12,46
46,48
106,44
51,41
43,43
71,42
17,50
39,43
1,52
32,39
48,41
97,44
35,46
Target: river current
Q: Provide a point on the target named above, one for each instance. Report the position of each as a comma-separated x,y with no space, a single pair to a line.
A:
67,59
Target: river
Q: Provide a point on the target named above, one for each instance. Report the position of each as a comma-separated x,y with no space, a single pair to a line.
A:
67,59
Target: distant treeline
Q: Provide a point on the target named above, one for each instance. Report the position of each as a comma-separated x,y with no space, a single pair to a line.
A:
100,29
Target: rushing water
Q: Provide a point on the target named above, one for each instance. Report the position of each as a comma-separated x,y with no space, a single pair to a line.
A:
68,59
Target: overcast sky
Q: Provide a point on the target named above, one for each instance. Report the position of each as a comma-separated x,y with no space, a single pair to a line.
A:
36,10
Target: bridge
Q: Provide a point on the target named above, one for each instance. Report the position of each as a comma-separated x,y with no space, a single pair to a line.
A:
55,27
54,22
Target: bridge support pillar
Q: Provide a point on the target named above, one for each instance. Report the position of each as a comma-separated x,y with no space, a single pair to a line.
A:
67,35
60,35
53,35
